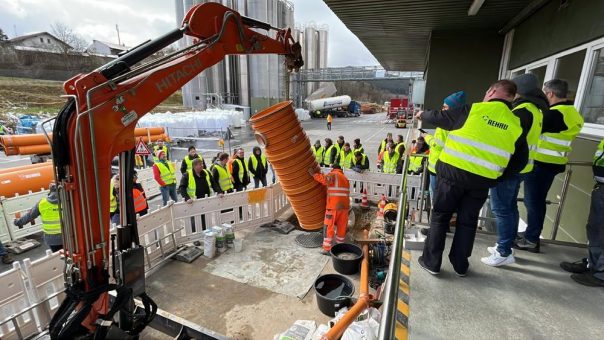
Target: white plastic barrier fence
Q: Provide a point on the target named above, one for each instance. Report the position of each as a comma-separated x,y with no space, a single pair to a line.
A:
31,293
376,183
19,205
16,207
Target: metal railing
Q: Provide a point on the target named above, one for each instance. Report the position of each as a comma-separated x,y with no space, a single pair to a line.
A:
563,192
352,73
388,321
559,203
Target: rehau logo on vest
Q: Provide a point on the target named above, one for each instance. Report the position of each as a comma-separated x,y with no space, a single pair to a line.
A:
499,125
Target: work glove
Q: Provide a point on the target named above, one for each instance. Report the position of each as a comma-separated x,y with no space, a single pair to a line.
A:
17,224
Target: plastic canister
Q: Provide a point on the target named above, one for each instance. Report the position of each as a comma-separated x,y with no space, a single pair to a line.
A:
209,244
220,239
229,234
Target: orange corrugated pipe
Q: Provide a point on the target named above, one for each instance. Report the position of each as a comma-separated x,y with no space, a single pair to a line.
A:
288,150
23,181
362,303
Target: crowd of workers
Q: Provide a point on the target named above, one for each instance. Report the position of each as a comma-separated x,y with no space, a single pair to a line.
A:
518,133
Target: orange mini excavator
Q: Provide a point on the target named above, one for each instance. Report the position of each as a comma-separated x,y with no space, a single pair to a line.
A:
96,124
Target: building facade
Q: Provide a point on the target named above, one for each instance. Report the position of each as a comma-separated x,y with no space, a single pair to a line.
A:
40,41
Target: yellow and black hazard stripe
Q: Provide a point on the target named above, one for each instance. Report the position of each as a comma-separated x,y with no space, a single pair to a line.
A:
402,304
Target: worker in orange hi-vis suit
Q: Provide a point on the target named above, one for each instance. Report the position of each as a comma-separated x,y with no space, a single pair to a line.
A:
338,203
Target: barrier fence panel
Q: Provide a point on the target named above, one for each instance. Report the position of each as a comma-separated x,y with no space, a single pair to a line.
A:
45,276
4,235
157,235
377,183
18,206
14,299
279,200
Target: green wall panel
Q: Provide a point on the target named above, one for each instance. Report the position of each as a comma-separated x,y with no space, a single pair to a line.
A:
467,60
554,29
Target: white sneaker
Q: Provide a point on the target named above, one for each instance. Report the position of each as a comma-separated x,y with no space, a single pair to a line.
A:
496,260
493,249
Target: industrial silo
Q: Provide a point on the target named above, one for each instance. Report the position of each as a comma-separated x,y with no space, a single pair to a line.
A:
311,41
322,50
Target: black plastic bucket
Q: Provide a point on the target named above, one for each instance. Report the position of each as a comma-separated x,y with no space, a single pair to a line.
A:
346,258
333,292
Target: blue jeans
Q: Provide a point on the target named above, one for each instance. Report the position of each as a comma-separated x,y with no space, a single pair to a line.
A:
536,186
2,249
432,189
168,192
505,209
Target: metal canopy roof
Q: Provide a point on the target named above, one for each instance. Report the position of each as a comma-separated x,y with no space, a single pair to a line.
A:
397,32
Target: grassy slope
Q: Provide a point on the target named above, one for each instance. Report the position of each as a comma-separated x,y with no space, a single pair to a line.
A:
35,96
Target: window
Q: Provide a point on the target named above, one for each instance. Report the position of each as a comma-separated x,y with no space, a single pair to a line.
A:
593,103
517,73
42,40
539,72
569,68
48,40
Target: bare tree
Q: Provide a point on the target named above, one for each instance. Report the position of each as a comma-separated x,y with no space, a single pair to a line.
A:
3,37
68,36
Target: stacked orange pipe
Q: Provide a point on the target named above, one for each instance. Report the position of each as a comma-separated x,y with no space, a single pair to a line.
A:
289,151
22,180
36,144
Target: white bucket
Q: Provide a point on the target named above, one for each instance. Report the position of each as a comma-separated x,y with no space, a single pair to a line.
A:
238,243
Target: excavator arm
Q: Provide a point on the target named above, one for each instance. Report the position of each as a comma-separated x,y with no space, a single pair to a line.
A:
96,124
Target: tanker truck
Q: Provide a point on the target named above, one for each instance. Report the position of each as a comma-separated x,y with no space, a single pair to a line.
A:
340,106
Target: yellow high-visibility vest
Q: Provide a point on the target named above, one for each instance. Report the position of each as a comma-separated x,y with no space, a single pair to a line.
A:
485,143
192,186
51,219
555,147
532,138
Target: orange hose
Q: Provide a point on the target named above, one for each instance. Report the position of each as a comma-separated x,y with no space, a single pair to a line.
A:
363,302
288,149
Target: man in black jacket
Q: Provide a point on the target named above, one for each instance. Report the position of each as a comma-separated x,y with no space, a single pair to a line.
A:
384,143
561,125
203,183
187,162
200,187
258,167
241,177
528,104
468,167
331,153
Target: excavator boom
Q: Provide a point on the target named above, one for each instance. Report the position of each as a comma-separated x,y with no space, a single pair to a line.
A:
96,124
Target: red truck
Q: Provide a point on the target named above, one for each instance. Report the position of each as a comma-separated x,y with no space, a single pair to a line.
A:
396,105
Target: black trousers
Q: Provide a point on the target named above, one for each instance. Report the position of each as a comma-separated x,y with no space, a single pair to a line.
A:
449,199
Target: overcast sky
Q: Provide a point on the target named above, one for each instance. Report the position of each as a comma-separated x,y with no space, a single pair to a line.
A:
140,20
